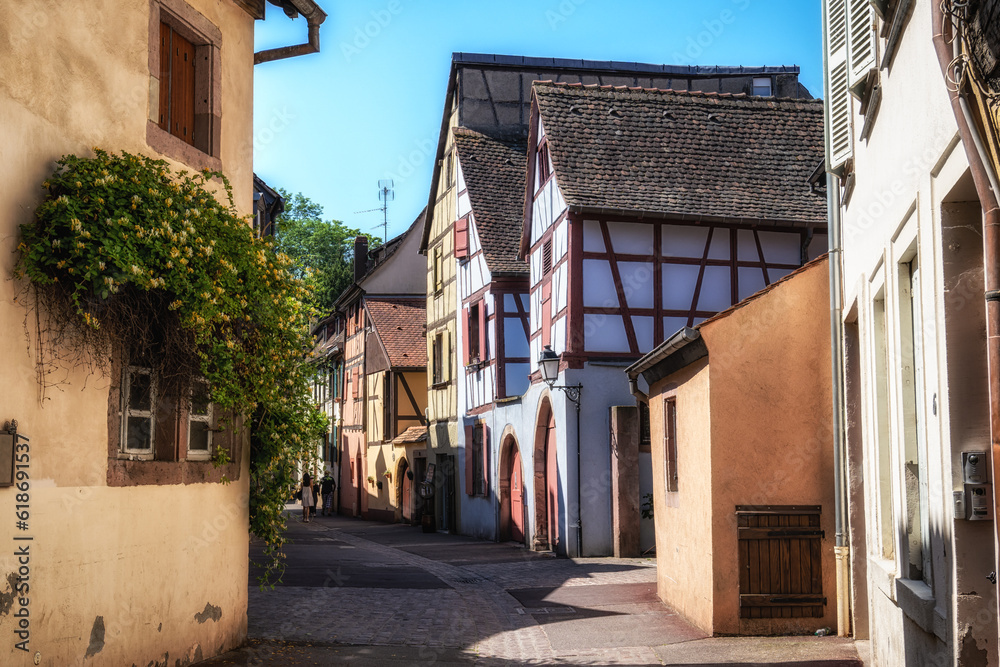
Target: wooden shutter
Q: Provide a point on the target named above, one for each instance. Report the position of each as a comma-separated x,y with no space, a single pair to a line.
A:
483,332
861,43
354,382
462,237
547,313
838,98
469,442
177,84
466,351
486,460
164,110
781,574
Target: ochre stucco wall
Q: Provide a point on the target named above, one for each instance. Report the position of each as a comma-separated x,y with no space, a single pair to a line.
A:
771,429
163,567
753,428
683,540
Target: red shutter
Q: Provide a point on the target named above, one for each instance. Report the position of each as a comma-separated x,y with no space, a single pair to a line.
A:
546,313
354,382
465,336
483,333
469,439
462,238
486,461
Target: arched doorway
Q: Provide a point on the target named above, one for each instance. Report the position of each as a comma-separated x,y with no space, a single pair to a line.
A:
546,481
512,519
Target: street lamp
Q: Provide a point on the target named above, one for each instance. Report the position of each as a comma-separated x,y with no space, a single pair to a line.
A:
548,365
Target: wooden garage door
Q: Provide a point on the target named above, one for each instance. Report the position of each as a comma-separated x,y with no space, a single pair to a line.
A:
780,561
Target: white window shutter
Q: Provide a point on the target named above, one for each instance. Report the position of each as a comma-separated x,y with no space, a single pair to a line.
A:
862,43
838,97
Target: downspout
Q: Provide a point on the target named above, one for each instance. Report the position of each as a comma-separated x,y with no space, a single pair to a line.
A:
633,388
579,485
314,17
986,189
842,550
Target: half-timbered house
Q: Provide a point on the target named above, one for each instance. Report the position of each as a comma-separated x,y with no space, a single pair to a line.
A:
645,211
493,363
396,390
374,368
491,94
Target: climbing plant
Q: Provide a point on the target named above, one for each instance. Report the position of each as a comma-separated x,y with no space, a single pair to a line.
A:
130,260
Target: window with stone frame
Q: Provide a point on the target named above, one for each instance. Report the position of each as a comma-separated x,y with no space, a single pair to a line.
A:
185,118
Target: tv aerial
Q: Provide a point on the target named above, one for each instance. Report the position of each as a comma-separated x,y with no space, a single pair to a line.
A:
385,195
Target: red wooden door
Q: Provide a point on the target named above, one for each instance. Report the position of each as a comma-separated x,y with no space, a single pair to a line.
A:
551,483
407,493
516,499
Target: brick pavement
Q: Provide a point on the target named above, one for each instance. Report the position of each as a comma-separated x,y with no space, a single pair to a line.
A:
471,602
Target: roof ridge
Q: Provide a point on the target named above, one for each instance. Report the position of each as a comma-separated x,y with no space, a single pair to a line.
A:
594,87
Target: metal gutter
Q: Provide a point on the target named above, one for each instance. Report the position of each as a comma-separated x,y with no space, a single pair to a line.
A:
647,366
314,17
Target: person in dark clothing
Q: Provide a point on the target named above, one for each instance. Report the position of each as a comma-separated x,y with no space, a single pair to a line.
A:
329,486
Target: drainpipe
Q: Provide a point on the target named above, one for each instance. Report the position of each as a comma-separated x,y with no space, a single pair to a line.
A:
314,17
841,549
986,188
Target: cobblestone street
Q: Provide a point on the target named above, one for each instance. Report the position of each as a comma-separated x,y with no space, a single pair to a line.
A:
367,593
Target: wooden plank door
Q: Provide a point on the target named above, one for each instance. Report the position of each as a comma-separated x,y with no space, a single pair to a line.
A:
516,499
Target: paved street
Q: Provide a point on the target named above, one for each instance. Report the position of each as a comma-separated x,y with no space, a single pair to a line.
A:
366,593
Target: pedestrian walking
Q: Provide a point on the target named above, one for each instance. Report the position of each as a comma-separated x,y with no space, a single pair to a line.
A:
329,486
308,502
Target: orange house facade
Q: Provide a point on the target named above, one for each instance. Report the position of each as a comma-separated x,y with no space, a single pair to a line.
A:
743,492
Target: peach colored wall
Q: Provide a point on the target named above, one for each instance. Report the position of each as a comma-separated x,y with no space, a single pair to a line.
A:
753,422
164,568
771,433
683,542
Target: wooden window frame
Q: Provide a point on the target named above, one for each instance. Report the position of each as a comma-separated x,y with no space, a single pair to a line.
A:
437,269
437,359
670,473
206,419
203,150
127,412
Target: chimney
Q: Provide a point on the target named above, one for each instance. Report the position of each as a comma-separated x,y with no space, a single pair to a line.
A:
360,257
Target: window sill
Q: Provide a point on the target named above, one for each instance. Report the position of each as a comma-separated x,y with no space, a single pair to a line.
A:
916,600
440,385
170,146
135,456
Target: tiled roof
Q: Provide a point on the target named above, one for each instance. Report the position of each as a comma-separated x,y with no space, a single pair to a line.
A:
401,325
494,177
411,435
684,154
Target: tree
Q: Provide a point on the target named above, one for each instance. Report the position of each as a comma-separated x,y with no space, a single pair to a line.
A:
322,250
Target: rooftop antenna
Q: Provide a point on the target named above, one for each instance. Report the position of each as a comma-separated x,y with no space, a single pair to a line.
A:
385,195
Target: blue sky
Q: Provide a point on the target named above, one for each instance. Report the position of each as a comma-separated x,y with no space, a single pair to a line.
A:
369,105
